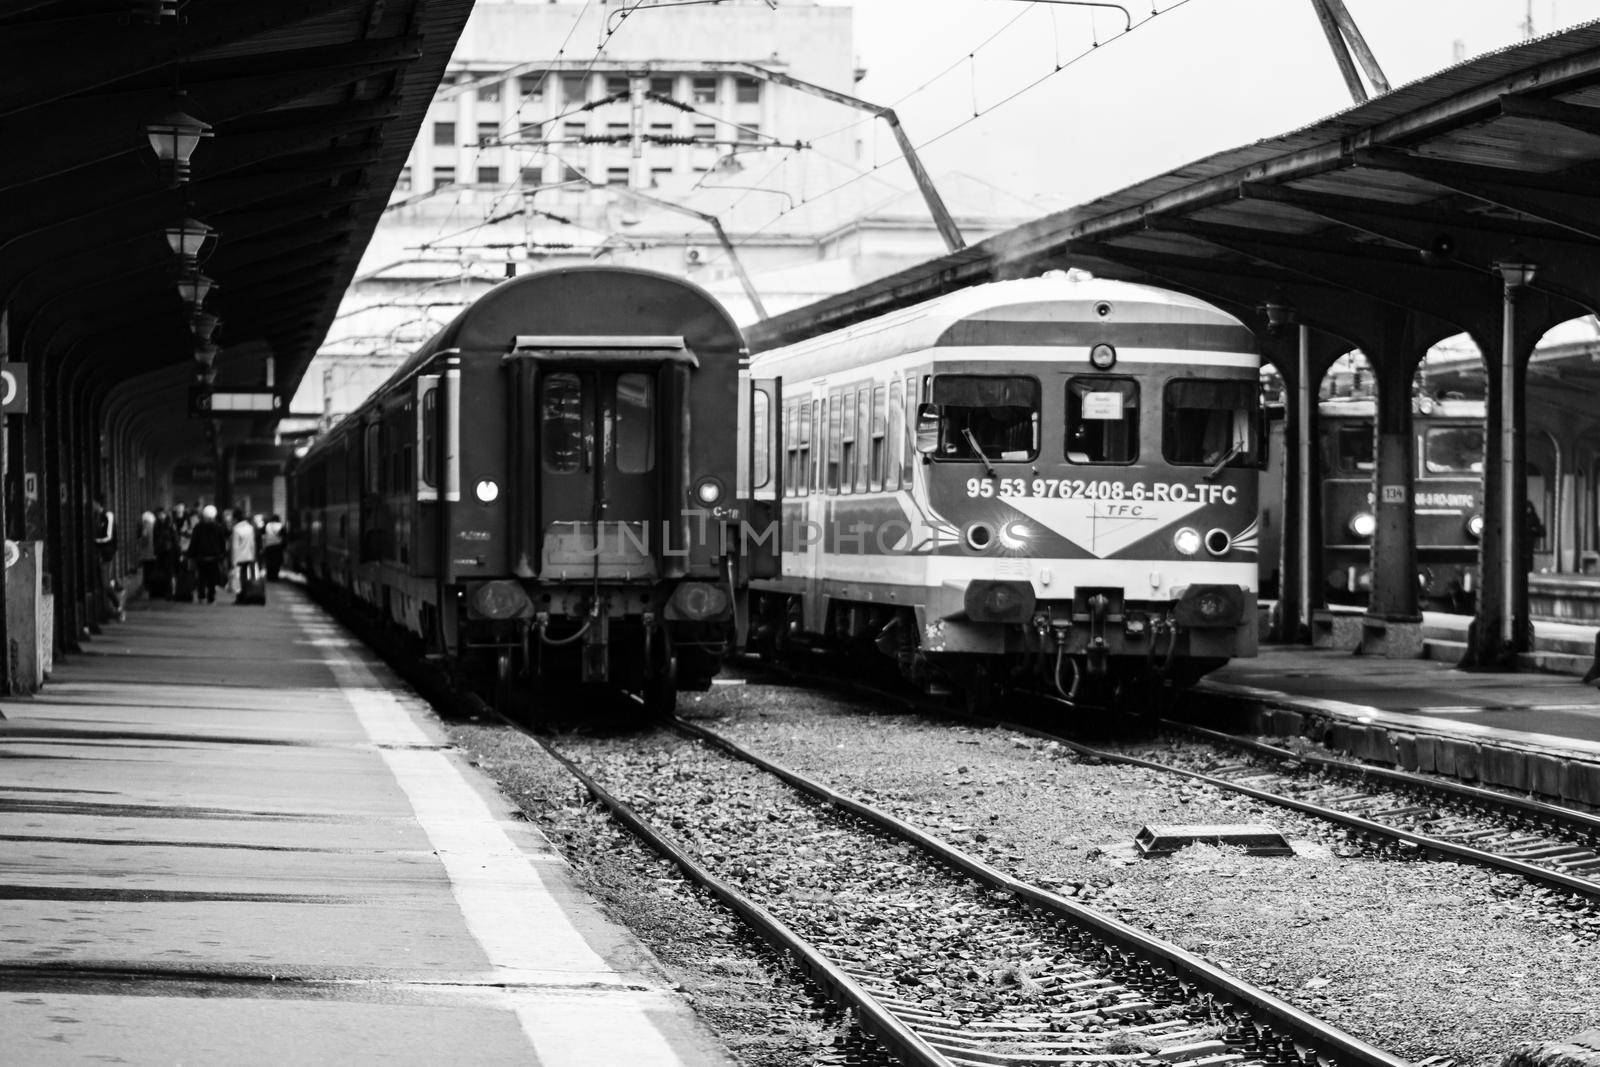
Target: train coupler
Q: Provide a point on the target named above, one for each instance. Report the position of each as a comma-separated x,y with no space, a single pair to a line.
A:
1097,652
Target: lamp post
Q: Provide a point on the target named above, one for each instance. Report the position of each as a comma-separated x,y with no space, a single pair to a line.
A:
1515,276
193,288
203,324
174,136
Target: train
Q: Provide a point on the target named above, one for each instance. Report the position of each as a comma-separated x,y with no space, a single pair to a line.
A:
1049,481
1448,443
547,489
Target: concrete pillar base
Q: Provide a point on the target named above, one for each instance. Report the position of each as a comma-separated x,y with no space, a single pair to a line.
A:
1335,629
1391,638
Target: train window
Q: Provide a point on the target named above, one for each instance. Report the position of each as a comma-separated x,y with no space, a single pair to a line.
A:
1453,450
1355,444
987,417
561,416
819,416
761,438
897,432
1102,420
908,452
835,441
1211,422
802,477
374,458
633,423
863,437
430,436
880,426
845,420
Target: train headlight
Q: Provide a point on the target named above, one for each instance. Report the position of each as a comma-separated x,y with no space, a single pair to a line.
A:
1015,536
698,601
1218,542
1187,540
487,490
1475,527
1104,357
979,536
1363,523
708,490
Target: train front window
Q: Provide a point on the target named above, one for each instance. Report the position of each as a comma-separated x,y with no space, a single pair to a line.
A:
1102,420
1210,423
1453,450
1356,447
982,417
561,416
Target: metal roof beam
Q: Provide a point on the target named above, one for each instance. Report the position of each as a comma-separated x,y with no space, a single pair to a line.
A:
106,49
1572,116
1358,213
1572,204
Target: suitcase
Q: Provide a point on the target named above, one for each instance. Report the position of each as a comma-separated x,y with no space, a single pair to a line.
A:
252,587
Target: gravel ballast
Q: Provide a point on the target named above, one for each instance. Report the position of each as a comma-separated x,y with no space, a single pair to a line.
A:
1421,958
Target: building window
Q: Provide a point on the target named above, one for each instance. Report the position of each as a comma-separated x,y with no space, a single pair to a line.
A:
617,175
402,184
443,176
488,132
705,90
747,90
705,131
489,93
662,85
488,175
444,133
574,88
617,131
661,130
617,83
659,175
574,131
749,134
531,86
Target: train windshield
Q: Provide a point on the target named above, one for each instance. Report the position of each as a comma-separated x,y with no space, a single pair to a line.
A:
987,417
1355,447
1453,450
1102,420
1210,422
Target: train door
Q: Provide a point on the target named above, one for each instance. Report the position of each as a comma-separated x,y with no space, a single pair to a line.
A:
600,453
761,477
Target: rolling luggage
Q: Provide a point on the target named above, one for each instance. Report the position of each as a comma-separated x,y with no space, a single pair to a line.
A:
252,587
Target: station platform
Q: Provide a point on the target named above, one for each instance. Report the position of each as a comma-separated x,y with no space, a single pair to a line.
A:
231,835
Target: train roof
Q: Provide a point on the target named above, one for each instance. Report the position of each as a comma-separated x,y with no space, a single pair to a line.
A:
1365,407
1058,298
562,302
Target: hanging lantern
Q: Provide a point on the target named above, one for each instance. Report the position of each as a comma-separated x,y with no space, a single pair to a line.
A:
194,287
203,324
155,12
186,238
205,355
174,137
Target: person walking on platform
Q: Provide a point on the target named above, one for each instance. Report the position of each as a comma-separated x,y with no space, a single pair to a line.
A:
242,551
183,575
208,546
147,552
272,547
105,547
165,541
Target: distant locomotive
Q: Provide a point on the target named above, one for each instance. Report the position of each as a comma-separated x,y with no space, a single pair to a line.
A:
548,485
1052,478
1447,495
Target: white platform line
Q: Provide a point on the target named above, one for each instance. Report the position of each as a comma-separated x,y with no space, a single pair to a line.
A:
507,906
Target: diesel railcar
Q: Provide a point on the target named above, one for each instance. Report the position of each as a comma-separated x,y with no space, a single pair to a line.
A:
548,485
1053,477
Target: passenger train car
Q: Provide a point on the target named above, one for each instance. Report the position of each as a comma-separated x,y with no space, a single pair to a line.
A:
1052,477
548,485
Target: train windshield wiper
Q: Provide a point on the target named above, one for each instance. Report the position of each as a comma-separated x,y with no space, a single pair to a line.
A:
1233,453
966,432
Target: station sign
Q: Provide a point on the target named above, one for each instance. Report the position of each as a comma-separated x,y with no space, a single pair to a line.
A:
14,388
206,403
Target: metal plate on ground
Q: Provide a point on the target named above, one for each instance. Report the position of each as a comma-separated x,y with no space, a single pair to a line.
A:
1256,839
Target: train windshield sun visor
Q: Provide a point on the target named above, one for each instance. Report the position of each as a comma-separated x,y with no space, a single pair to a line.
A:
984,417
1211,423
602,349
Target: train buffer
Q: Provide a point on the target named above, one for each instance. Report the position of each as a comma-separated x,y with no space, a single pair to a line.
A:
233,837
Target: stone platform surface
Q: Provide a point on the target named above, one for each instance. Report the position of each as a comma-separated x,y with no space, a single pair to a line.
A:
231,835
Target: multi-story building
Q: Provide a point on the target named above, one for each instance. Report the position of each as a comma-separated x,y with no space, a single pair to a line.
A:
567,131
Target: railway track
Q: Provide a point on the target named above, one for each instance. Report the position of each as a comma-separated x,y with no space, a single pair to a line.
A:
942,958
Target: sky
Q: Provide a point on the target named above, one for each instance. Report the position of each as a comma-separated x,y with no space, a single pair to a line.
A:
1202,76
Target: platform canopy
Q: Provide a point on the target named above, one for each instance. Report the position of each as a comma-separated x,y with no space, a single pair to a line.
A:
304,113
1405,202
